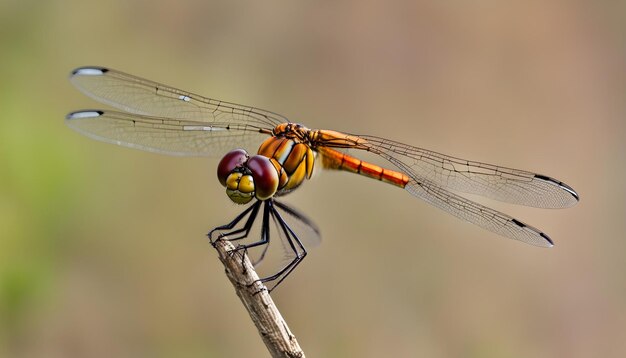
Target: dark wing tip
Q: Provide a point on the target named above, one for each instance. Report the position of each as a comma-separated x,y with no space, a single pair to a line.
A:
547,238
83,114
546,242
570,190
89,71
560,184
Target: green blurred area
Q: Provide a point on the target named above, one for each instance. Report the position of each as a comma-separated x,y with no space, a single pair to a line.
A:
102,250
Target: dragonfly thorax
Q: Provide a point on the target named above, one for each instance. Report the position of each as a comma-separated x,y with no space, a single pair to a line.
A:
292,157
294,131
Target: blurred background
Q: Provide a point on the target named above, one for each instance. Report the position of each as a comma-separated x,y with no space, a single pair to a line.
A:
102,248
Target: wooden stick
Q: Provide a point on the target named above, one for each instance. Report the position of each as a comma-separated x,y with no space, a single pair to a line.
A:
256,299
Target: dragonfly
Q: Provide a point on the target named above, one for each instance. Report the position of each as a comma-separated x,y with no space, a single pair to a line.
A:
158,118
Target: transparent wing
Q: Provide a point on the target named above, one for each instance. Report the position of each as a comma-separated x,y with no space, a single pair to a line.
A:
165,119
431,174
164,135
304,227
478,214
466,176
137,95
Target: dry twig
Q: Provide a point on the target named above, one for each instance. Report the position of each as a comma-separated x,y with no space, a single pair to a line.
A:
256,299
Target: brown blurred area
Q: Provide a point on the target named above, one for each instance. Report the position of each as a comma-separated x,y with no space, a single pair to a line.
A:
102,252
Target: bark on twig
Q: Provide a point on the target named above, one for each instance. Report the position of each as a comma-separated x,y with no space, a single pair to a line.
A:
256,299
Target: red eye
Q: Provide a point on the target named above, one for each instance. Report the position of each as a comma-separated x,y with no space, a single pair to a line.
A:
233,159
265,176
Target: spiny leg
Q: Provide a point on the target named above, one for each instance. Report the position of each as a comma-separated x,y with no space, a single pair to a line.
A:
244,231
238,234
290,236
265,234
261,257
278,225
265,227
268,211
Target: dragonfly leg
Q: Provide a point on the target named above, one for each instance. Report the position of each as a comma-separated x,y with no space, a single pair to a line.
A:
264,231
270,213
239,233
265,234
293,240
288,235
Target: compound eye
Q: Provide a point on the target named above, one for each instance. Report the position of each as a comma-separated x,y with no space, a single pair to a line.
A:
233,159
265,176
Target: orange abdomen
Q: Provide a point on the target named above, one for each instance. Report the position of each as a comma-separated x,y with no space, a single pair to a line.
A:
333,159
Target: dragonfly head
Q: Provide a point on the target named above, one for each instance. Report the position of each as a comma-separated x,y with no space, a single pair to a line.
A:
247,177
